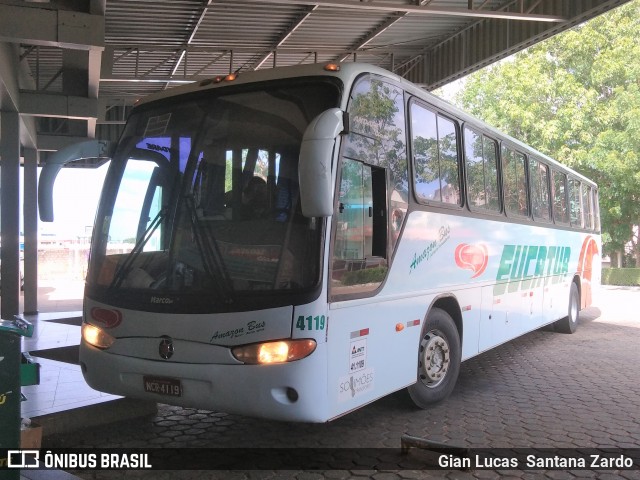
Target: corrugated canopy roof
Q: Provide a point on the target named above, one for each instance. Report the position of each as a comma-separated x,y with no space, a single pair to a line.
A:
115,51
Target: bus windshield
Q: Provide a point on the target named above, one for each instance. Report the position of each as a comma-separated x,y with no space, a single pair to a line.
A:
201,200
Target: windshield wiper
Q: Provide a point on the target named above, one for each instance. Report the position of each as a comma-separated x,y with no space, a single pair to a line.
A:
211,257
126,266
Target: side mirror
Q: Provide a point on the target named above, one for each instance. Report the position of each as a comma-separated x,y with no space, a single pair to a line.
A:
314,170
77,151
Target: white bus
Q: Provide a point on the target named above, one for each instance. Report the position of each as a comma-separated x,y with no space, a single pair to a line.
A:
296,243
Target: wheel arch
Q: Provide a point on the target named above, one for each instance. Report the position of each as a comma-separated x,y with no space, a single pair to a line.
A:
578,281
449,303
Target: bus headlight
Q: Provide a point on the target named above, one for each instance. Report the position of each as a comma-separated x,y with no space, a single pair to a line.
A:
96,337
274,352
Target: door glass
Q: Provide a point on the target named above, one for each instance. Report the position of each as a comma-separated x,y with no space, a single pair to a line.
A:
354,268
367,209
350,230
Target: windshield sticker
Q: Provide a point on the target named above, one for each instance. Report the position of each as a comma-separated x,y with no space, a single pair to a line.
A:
258,263
161,145
355,384
431,248
157,126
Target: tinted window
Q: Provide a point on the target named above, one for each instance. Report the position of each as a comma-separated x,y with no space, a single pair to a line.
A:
482,173
435,155
201,202
514,182
575,203
587,206
596,211
491,174
539,181
377,137
560,211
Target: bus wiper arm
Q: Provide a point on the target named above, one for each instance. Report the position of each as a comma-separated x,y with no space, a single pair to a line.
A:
126,266
211,257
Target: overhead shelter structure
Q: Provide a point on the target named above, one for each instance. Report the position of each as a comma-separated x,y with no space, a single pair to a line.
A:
71,69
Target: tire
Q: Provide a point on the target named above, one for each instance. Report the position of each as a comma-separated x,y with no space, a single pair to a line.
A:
569,324
439,356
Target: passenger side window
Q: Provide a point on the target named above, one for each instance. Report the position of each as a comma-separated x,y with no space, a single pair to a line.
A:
575,203
514,182
482,171
539,179
587,206
560,211
435,156
596,211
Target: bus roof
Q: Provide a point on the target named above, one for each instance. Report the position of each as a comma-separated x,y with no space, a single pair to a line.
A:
347,73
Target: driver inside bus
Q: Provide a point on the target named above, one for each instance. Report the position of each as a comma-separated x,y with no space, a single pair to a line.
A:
255,200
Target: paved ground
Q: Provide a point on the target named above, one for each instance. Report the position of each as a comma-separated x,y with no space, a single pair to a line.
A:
543,390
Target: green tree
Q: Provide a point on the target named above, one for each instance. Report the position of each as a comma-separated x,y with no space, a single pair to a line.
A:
377,116
576,97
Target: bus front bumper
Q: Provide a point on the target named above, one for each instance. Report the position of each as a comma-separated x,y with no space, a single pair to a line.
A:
294,391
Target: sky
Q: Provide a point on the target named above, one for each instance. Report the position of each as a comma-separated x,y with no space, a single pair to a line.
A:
75,199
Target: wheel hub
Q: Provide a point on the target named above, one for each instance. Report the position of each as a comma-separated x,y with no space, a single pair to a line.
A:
435,359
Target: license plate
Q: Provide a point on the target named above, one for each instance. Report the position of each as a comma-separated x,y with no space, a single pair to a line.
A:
162,386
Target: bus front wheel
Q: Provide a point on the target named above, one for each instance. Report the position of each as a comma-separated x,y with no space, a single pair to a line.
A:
438,360
569,324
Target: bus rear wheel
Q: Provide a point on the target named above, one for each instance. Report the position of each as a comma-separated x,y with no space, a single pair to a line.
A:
439,356
569,324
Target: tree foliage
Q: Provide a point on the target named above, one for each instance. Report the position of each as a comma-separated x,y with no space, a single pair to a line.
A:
376,112
576,98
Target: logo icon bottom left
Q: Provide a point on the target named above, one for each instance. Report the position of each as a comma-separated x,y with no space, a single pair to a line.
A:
23,458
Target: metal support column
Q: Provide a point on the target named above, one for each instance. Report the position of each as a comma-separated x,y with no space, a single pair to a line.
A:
30,215
10,211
